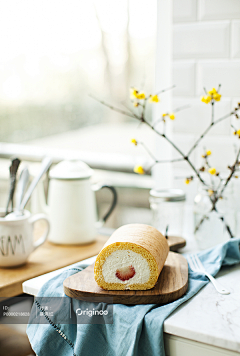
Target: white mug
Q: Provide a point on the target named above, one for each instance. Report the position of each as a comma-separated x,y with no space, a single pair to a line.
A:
16,238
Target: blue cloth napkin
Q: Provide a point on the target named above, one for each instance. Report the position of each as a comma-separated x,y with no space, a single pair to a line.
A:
136,330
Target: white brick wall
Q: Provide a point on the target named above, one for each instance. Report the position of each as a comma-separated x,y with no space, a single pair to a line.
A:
235,37
196,118
218,9
184,10
206,52
201,40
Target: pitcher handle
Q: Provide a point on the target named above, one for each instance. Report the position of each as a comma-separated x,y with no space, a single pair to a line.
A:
98,187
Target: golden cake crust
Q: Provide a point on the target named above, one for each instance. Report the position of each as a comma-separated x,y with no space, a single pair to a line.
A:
139,238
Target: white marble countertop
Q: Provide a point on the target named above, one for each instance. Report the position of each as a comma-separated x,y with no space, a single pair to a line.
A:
208,317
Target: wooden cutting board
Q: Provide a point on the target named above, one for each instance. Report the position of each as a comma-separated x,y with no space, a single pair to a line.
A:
175,242
171,285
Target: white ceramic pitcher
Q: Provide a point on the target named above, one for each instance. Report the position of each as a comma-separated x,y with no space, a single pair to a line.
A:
72,204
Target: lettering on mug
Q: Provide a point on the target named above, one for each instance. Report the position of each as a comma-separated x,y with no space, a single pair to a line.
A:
9,245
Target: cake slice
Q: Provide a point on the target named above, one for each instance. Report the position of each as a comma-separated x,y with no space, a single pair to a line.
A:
131,259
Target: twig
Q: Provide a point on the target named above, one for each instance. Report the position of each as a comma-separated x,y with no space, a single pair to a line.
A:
227,227
212,111
163,90
113,108
125,105
180,108
148,151
205,217
206,131
231,174
186,158
166,232
165,161
143,120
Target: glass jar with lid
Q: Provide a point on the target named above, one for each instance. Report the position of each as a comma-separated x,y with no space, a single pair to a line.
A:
168,210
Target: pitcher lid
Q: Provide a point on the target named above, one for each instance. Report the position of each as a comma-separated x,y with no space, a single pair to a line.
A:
71,170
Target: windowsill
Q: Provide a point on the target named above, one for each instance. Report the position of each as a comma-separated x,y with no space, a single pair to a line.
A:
102,146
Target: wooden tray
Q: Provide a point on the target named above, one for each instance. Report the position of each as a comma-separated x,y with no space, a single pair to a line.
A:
171,285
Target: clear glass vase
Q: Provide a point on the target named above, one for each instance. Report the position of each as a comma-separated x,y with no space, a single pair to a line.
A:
214,226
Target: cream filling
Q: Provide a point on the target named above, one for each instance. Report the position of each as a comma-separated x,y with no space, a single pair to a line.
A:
124,258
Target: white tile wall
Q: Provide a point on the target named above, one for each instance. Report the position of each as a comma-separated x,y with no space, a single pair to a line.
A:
226,73
219,9
223,151
184,78
206,51
184,10
234,120
184,142
201,40
235,37
197,117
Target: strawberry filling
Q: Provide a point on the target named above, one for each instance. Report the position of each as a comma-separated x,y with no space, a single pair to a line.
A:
125,273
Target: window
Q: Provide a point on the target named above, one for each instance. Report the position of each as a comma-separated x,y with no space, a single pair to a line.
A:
54,53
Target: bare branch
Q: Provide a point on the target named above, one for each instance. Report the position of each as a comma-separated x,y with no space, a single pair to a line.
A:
212,103
206,131
231,174
113,108
148,151
163,90
181,108
186,158
205,217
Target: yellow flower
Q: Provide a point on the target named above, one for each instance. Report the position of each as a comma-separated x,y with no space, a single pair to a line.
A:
212,171
171,115
133,93
135,104
206,99
134,141
238,132
208,153
187,181
210,191
212,92
141,96
139,170
217,97
154,99
236,176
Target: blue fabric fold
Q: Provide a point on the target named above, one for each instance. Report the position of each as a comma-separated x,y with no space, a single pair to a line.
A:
137,330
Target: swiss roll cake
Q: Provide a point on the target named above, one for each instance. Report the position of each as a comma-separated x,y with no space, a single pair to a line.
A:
131,259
